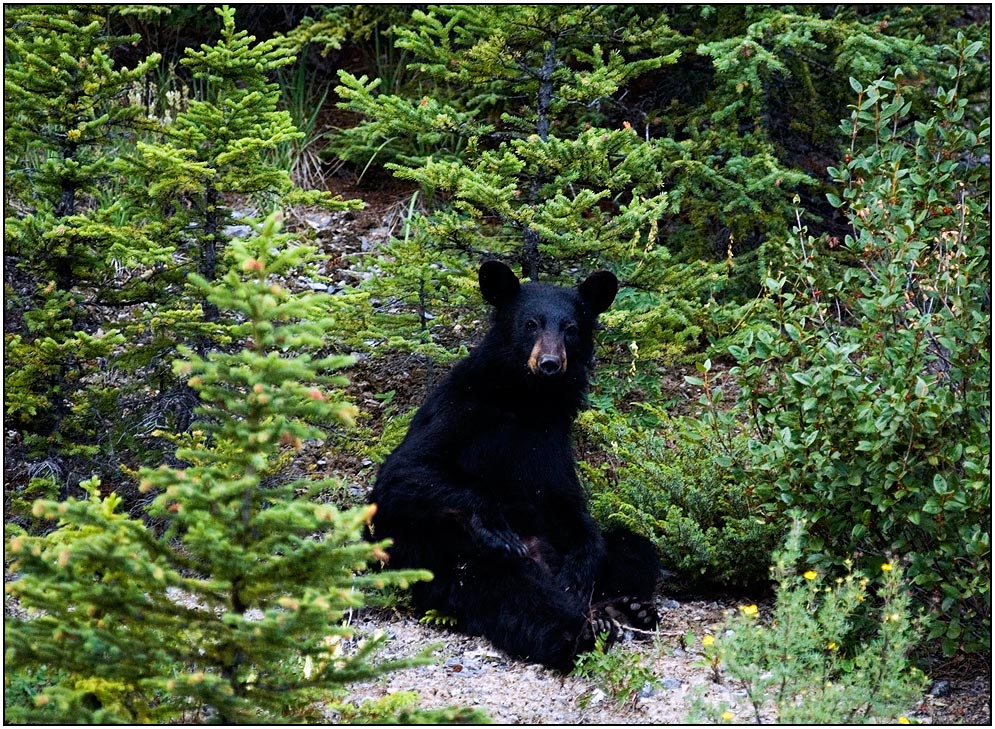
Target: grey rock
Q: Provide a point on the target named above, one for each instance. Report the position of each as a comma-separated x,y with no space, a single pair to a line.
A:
940,689
672,684
238,231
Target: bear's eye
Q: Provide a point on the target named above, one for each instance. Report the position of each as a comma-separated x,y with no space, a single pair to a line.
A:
531,325
569,328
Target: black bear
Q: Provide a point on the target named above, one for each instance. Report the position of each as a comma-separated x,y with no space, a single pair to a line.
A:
483,490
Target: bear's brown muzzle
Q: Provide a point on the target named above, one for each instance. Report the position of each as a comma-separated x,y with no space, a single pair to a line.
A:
548,357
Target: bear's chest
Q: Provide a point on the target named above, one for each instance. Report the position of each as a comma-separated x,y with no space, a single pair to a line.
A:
520,460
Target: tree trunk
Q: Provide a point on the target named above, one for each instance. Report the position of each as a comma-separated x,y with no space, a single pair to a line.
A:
545,96
209,249
544,99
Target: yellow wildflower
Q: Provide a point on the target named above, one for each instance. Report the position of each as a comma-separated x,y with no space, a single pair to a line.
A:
727,716
810,575
832,645
708,640
886,567
903,720
748,610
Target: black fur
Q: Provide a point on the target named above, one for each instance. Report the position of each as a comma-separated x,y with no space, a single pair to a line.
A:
483,490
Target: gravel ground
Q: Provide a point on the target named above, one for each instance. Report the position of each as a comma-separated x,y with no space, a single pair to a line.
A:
470,672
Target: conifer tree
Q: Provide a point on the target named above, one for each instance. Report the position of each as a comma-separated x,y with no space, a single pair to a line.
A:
750,117
67,131
513,156
222,146
218,154
234,612
730,133
525,163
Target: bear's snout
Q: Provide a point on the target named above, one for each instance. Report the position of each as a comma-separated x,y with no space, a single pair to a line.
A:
549,364
548,357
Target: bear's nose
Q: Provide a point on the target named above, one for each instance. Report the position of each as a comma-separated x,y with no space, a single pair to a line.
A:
549,364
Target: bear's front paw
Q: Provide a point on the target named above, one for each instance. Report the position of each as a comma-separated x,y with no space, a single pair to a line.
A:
498,537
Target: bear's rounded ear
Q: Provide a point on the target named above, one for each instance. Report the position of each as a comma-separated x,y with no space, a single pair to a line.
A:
598,290
498,283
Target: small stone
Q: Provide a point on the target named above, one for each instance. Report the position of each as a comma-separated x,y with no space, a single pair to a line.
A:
238,231
318,221
940,689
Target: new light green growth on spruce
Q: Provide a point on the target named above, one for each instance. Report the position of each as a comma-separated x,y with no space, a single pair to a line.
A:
66,128
231,613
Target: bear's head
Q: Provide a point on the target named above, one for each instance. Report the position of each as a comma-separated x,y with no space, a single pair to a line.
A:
543,330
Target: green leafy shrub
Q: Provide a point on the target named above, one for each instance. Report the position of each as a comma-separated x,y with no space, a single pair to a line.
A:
833,650
620,673
402,707
870,399
670,479
229,612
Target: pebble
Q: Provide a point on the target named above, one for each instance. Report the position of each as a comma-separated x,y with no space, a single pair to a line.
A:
238,231
597,697
940,689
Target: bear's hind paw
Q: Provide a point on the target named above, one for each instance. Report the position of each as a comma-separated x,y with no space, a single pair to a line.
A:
639,615
601,623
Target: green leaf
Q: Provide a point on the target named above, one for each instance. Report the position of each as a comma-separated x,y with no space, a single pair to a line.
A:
802,377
